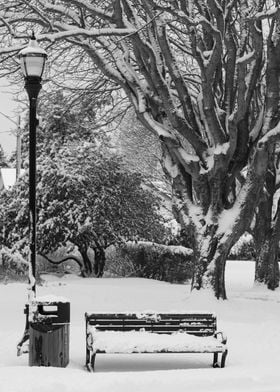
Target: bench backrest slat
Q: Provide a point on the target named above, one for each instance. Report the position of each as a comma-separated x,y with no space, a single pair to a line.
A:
143,315
196,324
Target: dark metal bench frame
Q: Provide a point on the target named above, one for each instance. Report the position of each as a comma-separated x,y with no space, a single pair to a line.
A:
198,324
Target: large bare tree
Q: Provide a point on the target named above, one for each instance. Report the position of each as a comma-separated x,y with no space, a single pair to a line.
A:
203,76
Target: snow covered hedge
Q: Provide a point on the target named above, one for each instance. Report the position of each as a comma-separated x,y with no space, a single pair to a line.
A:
151,260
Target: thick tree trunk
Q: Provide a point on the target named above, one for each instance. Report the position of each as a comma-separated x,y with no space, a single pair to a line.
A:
219,274
267,236
99,261
88,270
216,228
209,270
267,267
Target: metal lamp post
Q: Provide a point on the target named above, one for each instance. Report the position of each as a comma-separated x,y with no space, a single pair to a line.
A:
53,335
32,59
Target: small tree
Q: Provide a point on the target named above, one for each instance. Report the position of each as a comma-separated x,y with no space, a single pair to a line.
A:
84,198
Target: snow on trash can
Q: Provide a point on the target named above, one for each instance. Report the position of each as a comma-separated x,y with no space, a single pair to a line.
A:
49,333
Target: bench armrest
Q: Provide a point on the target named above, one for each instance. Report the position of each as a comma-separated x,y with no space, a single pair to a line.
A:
89,340
221,336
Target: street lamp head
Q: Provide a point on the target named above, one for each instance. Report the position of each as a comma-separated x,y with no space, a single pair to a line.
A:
32,59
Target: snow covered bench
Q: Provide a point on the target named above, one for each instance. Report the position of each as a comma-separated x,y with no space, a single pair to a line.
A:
151,332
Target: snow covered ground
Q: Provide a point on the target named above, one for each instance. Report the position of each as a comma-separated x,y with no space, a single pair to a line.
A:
250,318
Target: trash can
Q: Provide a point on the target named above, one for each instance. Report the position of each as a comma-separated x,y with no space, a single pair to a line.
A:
49,334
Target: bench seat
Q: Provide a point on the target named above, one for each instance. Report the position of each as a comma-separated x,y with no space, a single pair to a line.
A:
148,342
151,332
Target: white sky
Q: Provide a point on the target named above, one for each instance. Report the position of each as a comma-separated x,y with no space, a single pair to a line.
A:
8,108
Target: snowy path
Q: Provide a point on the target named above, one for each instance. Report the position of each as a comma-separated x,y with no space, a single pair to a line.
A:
250,318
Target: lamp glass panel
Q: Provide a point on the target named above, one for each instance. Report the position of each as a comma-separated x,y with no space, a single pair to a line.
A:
34,65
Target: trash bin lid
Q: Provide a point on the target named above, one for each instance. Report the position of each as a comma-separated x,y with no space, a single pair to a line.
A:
51,312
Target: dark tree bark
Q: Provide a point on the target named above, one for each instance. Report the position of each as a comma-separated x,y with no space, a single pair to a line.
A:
267,266
70,257
267,236
88,268
99,261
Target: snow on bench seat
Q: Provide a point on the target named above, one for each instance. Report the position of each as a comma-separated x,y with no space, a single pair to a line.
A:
147,342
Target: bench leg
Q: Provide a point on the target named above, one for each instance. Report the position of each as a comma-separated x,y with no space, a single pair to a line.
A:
90,360
87,359
223,360
215,360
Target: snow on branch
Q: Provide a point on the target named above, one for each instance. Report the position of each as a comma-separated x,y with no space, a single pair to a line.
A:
62,10
245,59
190,162
88,6
102,63
271,137
11,49
170,166
159,129
212,154
258,126
270,13
228,219
69,31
